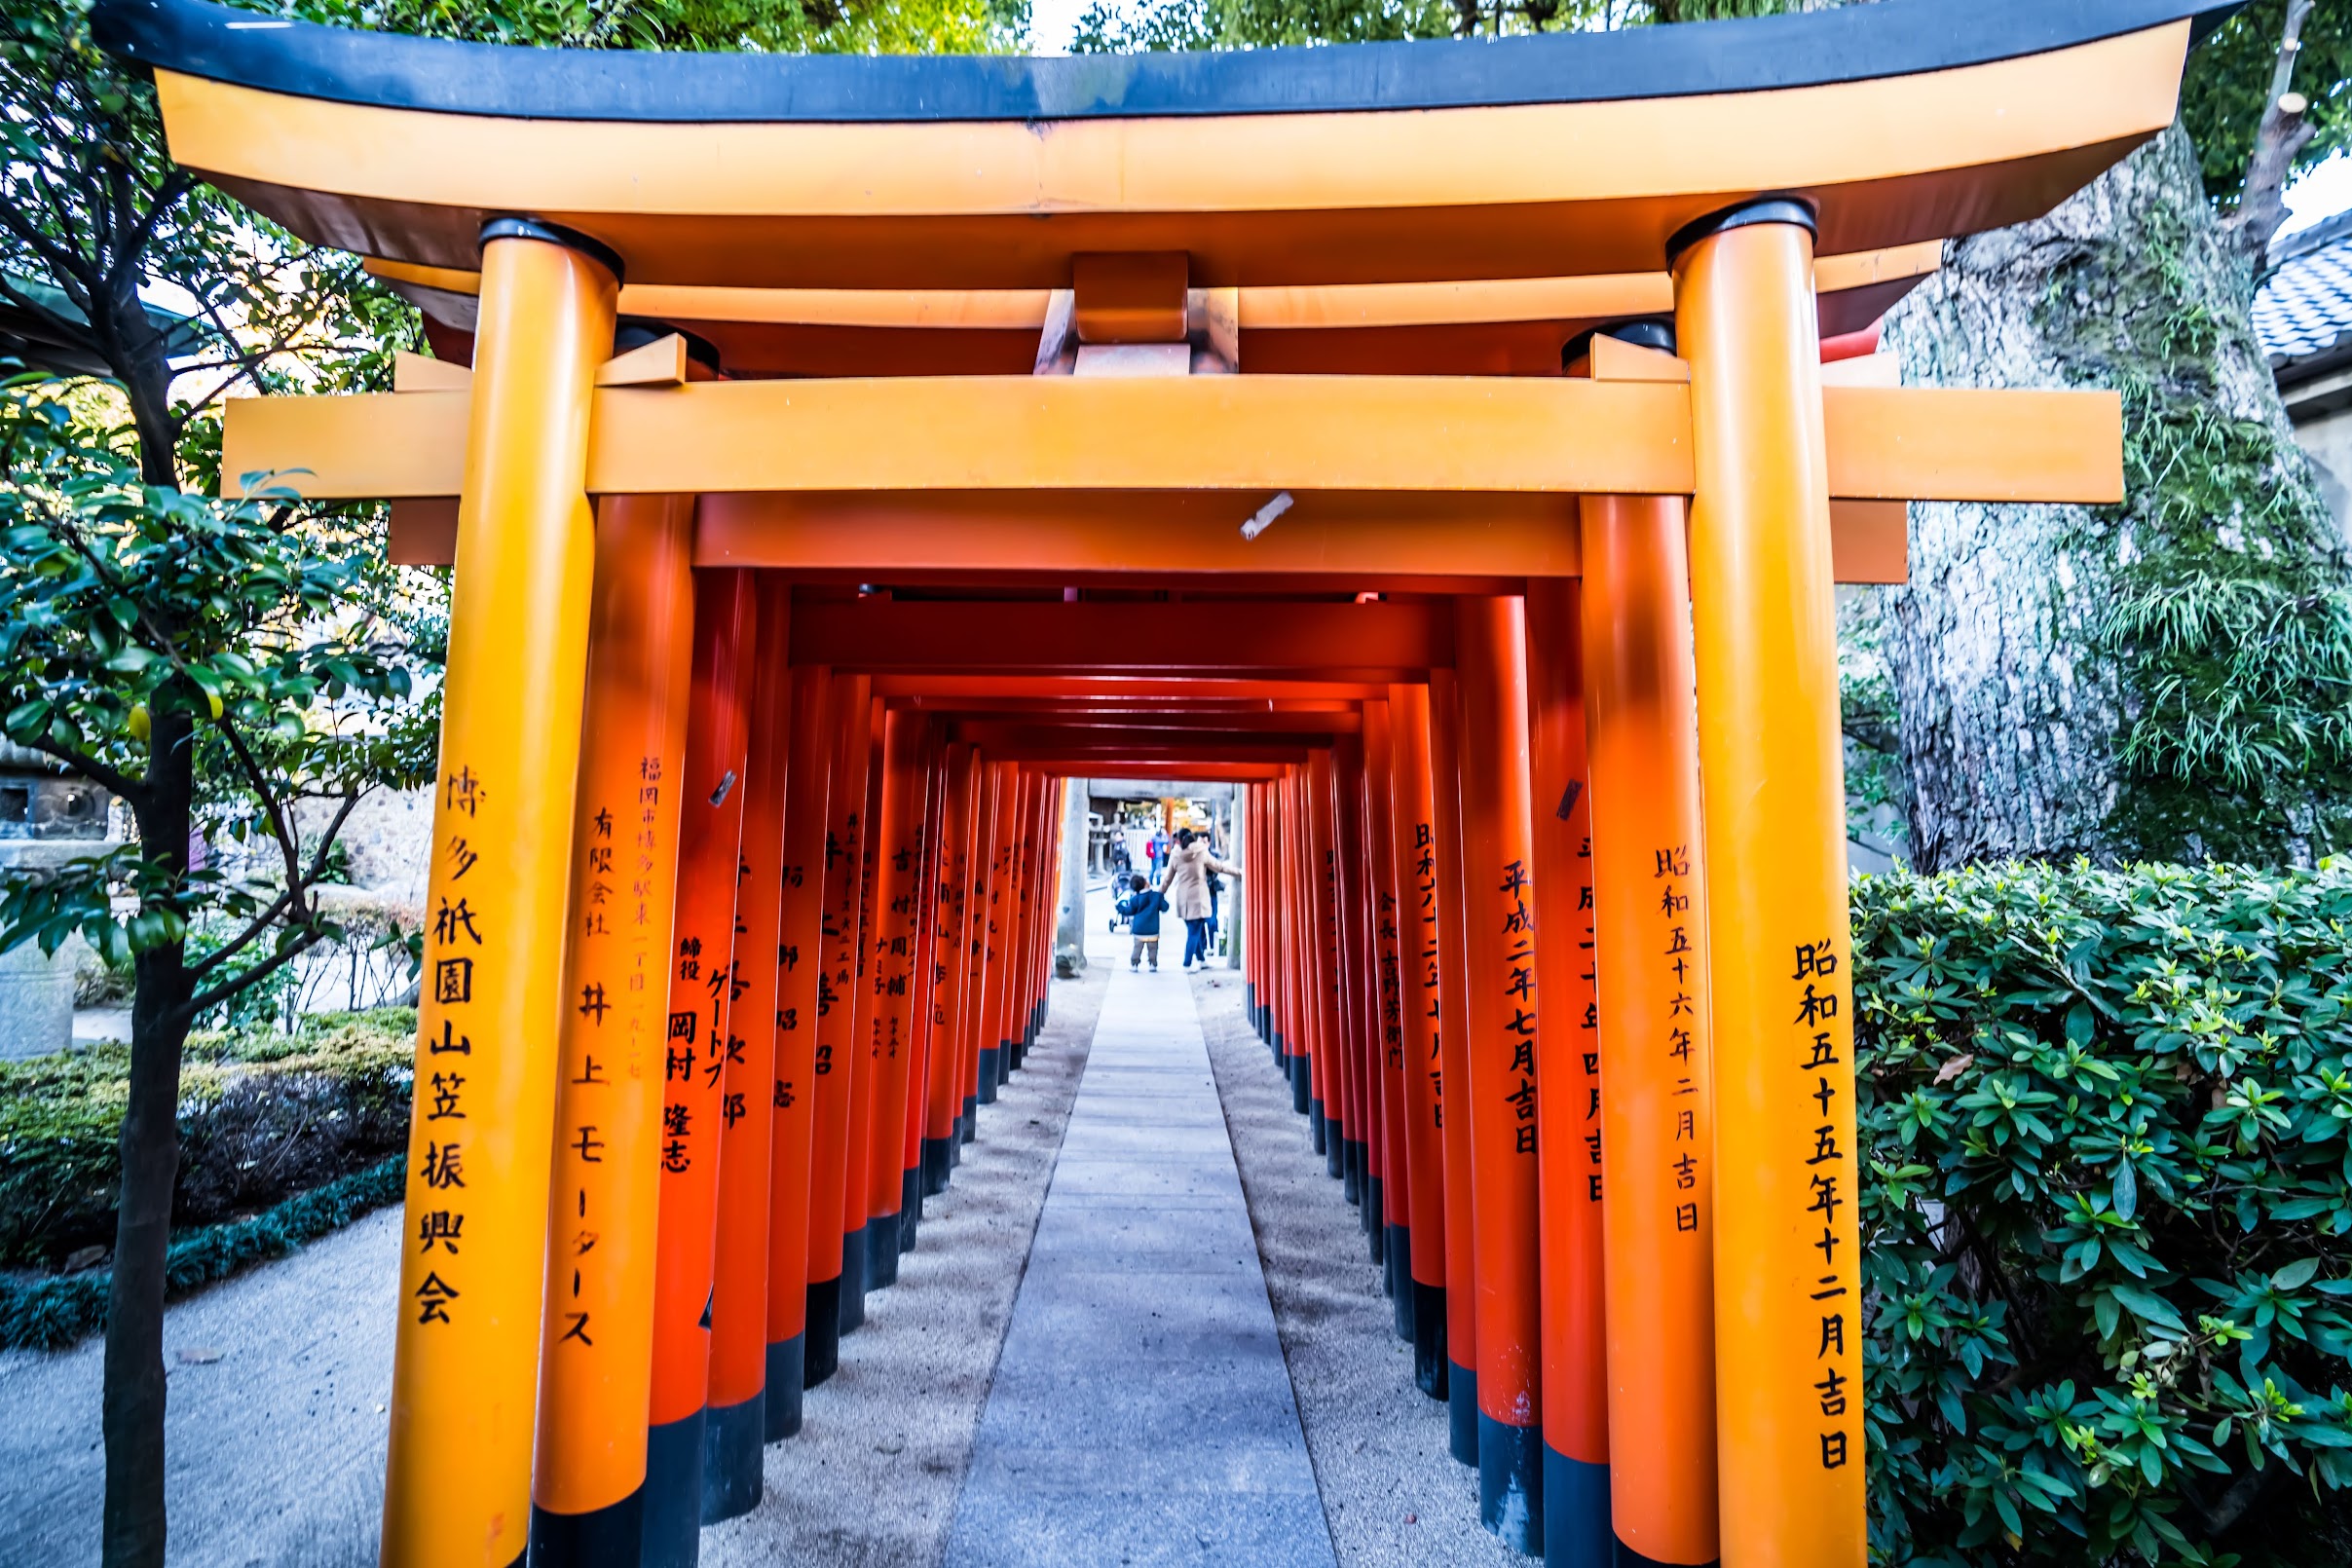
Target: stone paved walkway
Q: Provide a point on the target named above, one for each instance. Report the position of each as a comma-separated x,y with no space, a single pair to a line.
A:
1142,1410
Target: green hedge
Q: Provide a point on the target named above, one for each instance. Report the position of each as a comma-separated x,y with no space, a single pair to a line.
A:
2108,1215
261,1116
51,1314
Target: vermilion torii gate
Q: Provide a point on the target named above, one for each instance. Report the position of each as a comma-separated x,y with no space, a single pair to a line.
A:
835,453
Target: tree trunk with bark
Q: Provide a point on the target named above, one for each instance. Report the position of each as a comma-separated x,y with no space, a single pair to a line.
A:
133,1401
2159,678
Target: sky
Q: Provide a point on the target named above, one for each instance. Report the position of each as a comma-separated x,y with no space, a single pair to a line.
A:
2320,193
1052,22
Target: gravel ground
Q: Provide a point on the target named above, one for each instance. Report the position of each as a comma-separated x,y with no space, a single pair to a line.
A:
280,1380
873,1475
1391,1490
276,1425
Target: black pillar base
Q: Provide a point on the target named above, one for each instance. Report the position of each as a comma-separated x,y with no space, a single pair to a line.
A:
971,1117
1510,1484
910,1208
1400,1280
1005,1062
1375,1216
1462,1411
1576,1512
853,1281
938,1158
1351,1173
1302,1087
787,1367
881,1252
1318,1130
672,1493
608,1537
821,1337
989,1075
731,1436
1429,1339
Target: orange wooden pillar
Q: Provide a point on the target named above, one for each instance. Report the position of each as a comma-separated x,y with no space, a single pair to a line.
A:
1568,1094
856,1195
920,1013
997,928
596,1343
980,914
834,1072
1348,905
1388,1066
799,969
1499,883
1303,935
457,1483
1414,854
944,1093
1788,1303
1650,902
1323,1102
1453,1062
911,1113
695,1070
897,927
735,1423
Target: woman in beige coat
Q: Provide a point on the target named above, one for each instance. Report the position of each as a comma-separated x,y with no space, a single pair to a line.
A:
1186,885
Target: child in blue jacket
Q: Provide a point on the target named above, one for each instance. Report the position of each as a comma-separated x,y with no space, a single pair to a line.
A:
1142,907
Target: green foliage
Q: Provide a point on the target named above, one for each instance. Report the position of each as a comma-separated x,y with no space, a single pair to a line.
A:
780,27
2108,1217
2229,87
261,1116
123,605
52,1313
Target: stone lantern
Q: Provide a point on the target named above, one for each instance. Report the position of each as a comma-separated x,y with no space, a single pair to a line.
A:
46,818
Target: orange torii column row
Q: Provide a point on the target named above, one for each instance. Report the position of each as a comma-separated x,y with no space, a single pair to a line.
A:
1568,1095
1462,1306
1788,1302
1414,855
1651,915
457,1484
596,1342
800,967
736,1423
702,993
834,1064
1498,882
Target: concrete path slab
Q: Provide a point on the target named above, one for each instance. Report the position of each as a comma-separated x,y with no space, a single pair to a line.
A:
1142,1412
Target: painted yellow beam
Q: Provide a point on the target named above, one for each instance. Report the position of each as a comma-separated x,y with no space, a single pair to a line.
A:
1249,434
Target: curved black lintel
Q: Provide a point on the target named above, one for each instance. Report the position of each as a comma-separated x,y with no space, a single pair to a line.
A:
1854,42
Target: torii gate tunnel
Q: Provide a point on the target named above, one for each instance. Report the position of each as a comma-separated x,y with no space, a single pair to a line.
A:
1455,445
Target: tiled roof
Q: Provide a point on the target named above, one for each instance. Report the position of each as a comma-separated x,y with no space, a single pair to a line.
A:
2304,307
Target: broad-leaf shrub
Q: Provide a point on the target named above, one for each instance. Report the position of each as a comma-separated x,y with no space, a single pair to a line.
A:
2108,1225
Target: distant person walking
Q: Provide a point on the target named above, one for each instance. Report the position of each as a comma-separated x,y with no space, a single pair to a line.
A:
1141,909
1190,865
1155,850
